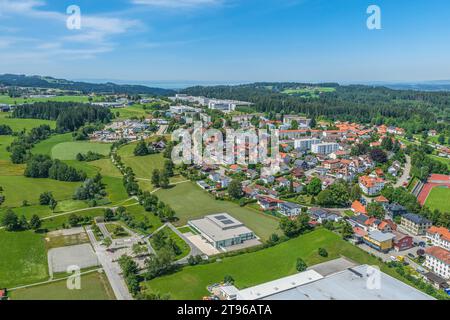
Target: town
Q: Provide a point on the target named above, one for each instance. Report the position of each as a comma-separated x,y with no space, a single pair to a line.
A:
361,195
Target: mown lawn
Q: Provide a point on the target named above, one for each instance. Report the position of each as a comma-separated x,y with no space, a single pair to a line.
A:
23,124
69,150
94,286
189,202
46,146
259,267
439,199
130,112
23,258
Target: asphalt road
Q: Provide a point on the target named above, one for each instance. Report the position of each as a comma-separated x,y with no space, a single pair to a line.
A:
406,173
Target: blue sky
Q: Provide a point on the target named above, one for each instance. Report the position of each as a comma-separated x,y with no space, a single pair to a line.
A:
227,40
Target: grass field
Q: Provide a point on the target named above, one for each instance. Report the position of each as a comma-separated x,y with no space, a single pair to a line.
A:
57,222
139,214
19,188
112,227
252,268
185,249
130,112
5,141
23,259
439,199
94,286
46,146
189,201
312,92
13,101
69,150
442,160
23,124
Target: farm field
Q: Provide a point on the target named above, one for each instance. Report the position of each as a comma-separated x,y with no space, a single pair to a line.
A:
436,198
130,112
189,201
23,258
19,188
94,286
312,92
69,150
23,124
12,101
251,269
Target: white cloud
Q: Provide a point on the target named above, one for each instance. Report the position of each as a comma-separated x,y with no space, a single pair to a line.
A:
93,37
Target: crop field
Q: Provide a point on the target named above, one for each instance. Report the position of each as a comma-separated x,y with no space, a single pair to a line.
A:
23,258
436,198
94,286
69,150
23,124
251,269
189,201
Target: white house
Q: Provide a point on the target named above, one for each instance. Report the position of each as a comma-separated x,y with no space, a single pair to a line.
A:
438,261
439,237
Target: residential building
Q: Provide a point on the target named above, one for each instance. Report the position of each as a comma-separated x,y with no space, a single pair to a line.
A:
415,224
379,241
394,210
302,121
321,215
438,261
268,203
222,231
289,209
402,241
371,186
324,148
439,237
358,207
305,144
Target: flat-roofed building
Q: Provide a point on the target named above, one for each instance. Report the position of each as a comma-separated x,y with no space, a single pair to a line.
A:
379,241
222,231
324,148
305,143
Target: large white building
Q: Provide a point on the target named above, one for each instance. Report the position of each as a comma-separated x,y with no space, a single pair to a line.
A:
305,144
223,232
301,121
371,186
324,148
439,237
438,261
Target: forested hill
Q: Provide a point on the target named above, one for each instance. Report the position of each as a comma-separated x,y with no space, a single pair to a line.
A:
414,110
84,87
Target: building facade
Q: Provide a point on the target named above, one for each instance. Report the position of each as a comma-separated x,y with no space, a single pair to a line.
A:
438,260
415,224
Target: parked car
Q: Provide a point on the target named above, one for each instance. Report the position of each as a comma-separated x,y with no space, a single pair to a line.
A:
411,255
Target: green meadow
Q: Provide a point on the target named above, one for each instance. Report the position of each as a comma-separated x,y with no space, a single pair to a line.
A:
23,124
69,150
189,202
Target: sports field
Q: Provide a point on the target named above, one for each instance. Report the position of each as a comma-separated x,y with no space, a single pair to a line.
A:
23,258
189,201
252,268
23,124
94,286
69,150
439,198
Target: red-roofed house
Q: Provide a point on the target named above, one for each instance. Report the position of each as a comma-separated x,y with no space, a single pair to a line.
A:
370,185
438,260
439,236
358,207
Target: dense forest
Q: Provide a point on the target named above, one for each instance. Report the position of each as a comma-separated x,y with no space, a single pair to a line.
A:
84,87
413,110
69,116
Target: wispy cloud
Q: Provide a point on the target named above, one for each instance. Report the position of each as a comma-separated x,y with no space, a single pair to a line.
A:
93,38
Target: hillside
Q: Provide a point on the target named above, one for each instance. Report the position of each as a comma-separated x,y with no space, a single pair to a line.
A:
84,87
